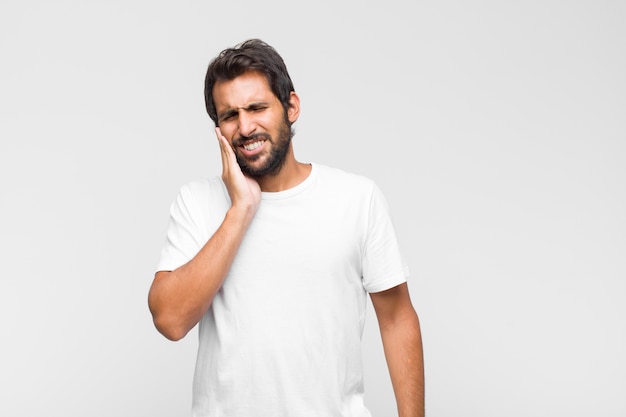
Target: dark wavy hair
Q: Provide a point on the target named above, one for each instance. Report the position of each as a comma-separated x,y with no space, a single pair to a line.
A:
252,55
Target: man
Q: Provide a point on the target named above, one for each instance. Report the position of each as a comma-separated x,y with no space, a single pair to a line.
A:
274,260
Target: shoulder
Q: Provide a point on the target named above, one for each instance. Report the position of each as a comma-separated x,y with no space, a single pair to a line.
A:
203,193
344,180
202,187
352,189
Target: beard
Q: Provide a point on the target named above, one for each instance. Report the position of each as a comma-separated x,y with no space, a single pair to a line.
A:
276,157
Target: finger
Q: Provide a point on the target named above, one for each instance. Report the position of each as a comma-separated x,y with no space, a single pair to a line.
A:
226,145
225,150
220,138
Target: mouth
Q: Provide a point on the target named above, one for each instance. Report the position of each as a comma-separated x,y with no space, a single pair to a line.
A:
250,146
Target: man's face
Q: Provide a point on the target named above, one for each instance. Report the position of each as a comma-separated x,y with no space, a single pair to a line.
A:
252,118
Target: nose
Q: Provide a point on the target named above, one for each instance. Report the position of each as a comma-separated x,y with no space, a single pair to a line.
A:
247,124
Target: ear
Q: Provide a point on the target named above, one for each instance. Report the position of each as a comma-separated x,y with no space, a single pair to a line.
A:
294,107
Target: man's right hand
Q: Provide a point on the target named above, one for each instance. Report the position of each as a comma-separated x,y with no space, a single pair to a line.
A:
178,299
244,192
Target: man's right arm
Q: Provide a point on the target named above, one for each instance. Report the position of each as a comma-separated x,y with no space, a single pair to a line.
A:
178,299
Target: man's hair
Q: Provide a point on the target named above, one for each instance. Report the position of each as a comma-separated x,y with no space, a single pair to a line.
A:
252,55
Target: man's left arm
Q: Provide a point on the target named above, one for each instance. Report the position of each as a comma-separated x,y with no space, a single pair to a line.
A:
402,342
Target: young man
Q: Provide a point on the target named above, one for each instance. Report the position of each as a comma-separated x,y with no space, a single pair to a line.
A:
274,261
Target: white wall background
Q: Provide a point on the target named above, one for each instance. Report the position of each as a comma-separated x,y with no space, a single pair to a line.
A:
496,129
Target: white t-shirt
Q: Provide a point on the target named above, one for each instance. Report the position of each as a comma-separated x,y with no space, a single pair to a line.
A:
282,336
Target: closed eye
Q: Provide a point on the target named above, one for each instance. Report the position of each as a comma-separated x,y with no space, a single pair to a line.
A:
257,107
253,108
227,116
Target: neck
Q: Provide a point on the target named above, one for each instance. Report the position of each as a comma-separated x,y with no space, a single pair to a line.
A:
290,174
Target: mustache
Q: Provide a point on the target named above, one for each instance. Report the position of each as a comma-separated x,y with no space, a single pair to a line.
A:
239,141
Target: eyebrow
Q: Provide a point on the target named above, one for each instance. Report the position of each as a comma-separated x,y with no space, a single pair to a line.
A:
233,111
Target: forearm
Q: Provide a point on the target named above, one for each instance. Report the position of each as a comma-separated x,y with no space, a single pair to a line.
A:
403,350
178,299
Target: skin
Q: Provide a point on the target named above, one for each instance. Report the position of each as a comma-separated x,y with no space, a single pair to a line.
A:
178,299
402,343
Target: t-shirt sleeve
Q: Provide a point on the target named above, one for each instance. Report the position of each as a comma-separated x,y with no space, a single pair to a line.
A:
383,265
184,236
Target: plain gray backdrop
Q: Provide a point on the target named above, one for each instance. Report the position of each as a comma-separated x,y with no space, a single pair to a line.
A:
496,130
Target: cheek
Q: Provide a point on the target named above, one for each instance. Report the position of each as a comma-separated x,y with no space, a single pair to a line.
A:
272,121
228,130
